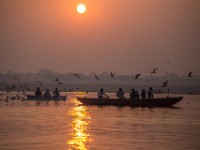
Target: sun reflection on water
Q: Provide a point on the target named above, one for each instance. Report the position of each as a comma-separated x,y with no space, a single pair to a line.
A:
80,137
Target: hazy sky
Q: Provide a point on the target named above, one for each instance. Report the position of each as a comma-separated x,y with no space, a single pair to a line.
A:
123,36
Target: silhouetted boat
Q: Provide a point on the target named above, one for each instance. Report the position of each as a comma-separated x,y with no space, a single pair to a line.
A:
152,102
33,97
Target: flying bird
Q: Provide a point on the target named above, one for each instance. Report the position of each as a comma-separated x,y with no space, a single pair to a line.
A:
96,77
78,89
8,89
70,90
39,82
25,87
189,74
13,87
15,78
154,70
137,76
76,75
112,75
165,84
58,81
168,61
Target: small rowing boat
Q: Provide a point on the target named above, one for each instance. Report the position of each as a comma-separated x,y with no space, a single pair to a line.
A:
151,102
33,97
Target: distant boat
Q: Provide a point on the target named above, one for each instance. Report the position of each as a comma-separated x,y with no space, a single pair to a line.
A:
152,102
33,97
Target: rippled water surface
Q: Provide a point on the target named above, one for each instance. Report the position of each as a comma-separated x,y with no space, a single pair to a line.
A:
65,125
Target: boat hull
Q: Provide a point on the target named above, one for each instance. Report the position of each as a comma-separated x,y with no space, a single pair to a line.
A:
155,102
32,97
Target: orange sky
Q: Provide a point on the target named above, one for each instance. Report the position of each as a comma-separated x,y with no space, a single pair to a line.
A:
126,37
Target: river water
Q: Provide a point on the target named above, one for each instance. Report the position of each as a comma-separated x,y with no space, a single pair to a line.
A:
65,125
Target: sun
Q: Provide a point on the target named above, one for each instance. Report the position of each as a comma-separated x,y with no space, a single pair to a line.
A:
81,8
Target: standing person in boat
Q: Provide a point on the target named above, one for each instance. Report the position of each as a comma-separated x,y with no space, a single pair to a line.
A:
120,94
101,94
38,92
133,93
143,93
56,92
47,94
151,93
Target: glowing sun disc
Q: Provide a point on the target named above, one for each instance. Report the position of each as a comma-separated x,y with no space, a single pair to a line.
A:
81,8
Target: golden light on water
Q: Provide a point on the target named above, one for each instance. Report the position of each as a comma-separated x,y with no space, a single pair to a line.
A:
80,137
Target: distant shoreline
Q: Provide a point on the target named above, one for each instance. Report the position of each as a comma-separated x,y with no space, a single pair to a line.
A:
109,88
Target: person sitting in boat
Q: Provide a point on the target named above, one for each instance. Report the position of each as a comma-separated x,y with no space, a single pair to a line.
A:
133,93
101,94
47,94
120,94
137,95
38,92
143,93
151,93
56,92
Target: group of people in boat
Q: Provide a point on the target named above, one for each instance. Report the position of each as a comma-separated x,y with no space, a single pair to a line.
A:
134,94
144,94
101,94
47,94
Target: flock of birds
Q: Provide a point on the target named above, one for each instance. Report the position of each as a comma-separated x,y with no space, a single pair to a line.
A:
25,88
58,81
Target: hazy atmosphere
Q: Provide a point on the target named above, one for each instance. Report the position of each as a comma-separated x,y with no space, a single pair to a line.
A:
126,37
99,74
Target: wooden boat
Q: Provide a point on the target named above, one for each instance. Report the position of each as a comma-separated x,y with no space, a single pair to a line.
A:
33,97
152,102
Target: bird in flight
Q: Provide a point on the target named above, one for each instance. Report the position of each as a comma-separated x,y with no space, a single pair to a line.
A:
76,75
165,84
58,81
39,82
137,76
13,87
25,87
96,77
15,78
189,74
78,89
154,70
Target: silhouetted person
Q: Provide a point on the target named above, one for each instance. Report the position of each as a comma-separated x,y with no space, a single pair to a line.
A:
38,92
56,92
151,93
112,75
101,93
189,74
143,93
137,95
47,95
120,94
133,93
168,92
